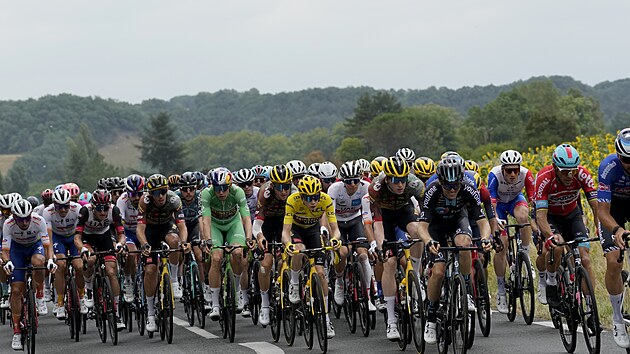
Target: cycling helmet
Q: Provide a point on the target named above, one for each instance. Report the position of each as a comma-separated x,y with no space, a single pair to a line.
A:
188,179
59,186
244,175
280,174
134,183
115,183
327,170
297,167
471,165
156,181
47,195
102,183
424,167
406,154
350,169
313,169
85,197
62,197
450,169
221,176
380,159
33,200
395,167
259,170
72,188
310,185
622,143
376,167
511,157
449,153
7,200
201,180
364,165
21,208
565,156
173,181
101,197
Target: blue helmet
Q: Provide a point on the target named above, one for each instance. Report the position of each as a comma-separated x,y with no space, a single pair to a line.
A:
622,143
565,156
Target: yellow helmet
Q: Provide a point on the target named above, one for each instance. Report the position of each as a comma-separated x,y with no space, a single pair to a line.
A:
478,180
376,167
173,180
471,165
395,167
309,185
280,174
424,167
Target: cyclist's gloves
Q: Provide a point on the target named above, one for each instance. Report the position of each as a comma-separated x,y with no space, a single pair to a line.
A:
335,243
9,267
51,265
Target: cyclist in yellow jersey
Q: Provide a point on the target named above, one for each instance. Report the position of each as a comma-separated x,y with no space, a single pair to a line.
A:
303,212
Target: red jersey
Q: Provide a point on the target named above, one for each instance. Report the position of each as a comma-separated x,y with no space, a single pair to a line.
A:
559,199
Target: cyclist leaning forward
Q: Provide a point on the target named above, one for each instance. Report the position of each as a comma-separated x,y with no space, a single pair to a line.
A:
304,210
226,220
160,218
272,199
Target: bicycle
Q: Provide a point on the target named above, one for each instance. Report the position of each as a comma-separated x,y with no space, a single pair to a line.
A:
275,291
74,319
253,292
576,305
28,317
481,296
104,309
192,295
4,313
355,293
125,309
409,303
227,294
287,310
520,283
625,277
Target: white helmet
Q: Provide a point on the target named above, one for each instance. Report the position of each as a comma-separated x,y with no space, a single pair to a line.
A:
313,169
327,170
61,196
350,169
406,154
511,157
21,208
244,175
297,167
7,200
364,165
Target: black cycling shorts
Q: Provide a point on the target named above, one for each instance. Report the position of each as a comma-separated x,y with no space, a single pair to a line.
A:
311,238
155,234
352,230
620,211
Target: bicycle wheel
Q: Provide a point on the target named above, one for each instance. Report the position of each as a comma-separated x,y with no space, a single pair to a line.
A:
288,315
482,298
416,311
458,314
362,300
306,318
187,293
167,309
587,311
625,299
402,314
275,311
349,300
526,288
566,319
75,310
254,292
511,286
31,322
230,304
110,312
99,308
198,299
3,312
319,313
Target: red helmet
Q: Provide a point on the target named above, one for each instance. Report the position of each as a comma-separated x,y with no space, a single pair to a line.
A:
72,188
47,195
101,197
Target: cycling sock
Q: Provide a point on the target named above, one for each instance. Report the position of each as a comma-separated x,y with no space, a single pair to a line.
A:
245,297
551,279
295,277
391,312
60,300
431,311
88,282
5,287
150,306
615,300
415,263
501,285
526,249
237,281
128,279
215,296
326,307
116,303
367,270
174,268
264,296
542,276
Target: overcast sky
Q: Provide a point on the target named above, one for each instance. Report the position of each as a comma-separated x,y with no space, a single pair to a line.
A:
134,50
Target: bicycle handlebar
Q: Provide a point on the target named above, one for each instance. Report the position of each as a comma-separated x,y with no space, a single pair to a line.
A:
517,226
624,237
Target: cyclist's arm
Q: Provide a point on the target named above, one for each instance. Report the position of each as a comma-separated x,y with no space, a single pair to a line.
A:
118,226
78,231
334,230
593,203
286,233
423,229
183,231
6,243
206,215
247,226
543,224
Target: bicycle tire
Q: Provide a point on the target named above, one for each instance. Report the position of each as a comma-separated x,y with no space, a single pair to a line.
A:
108,298
319,313
275,310
625,298
458,315
230,304
512,292
187,295
254,292
349,302
332,278
526,288
76,310
288,313
403,317
199,301
568,327
3,312
307,320
31,324
416,307
101,320
167,309
587,309
363,309
482,298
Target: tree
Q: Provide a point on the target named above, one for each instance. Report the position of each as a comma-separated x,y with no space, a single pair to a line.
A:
84,165
351,148
18,180
161,148
368,107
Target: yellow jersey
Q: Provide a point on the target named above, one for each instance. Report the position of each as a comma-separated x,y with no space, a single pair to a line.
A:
297,213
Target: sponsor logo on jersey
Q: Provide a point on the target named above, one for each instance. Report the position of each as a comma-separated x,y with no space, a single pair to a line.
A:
609,167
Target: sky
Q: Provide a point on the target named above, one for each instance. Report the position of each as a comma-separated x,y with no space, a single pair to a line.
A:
140,49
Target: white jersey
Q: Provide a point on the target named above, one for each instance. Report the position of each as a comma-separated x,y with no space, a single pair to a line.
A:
62,226
40,209
504,192
367,212
13,234
252,202
128,213
347,207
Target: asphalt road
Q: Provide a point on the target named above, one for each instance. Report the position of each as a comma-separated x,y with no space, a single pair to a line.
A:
506,337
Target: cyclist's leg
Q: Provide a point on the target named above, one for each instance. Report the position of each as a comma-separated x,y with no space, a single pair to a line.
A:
434,286
59,248
520,210
214,274
132,259
172,239
154,235
272,231
388,280
88,274
579,231
357,233
19,256
500,258
614,284
236,237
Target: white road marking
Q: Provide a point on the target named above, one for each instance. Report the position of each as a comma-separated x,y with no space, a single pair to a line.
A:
195,330
550,325
263,347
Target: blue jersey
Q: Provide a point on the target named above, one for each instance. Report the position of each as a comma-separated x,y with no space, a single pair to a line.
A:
614,182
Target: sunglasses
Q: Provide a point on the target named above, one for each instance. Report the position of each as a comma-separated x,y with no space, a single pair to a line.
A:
396,180
245,184
188,189
282,186
6,212
61,206
297,178
101,207
512,171
451,186
134,194
352,181
159,192
260,179
116,191
310,198
220,187
567,171
22,220
624,160
329,180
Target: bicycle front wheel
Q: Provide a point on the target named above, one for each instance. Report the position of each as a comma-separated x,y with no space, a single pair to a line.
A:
587,311
275,311
31,325
230,304
458,315
362,299
108,299
319,313
416,310
99,308
288,313
526,288
167,308
199,301
566,318
482,298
